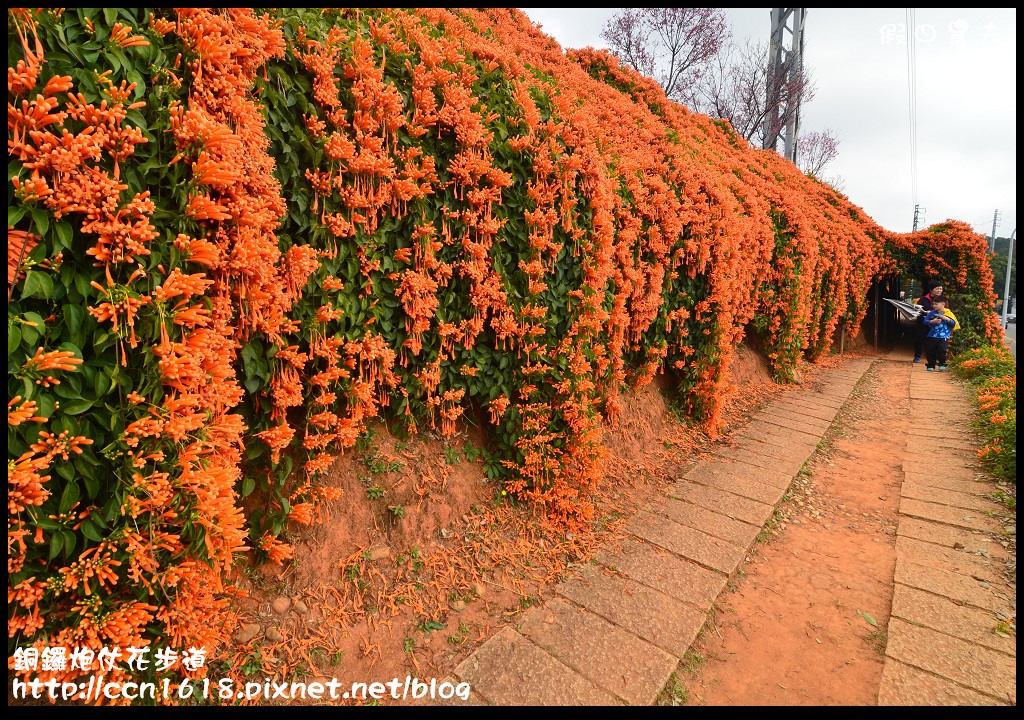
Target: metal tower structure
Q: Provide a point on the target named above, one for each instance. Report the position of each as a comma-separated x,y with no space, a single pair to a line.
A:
785,61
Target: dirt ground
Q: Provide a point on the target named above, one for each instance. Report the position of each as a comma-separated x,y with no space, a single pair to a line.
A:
804,622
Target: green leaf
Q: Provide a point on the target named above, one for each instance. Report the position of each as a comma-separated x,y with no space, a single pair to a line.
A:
70,539
248,485
14,214
101,384
76,407
56,543
92,484
13,338
37,284
74,315
41,219
47,524
140,86
870,620
70,497
64,234
82,285
91,531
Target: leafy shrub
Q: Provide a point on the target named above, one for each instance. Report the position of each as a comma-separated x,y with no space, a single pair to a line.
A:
992,370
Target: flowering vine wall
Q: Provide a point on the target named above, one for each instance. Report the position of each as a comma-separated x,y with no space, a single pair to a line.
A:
236,237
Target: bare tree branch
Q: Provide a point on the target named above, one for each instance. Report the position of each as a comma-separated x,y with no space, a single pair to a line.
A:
690,53
736,88
816,150
671,45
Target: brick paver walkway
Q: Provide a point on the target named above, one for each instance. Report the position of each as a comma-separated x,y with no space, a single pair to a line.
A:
619,627
950,593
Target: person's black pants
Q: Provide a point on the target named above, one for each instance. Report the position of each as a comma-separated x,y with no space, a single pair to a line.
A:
935,350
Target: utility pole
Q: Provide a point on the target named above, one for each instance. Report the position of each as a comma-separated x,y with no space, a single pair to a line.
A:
1006,286
992,240
784,64
917,215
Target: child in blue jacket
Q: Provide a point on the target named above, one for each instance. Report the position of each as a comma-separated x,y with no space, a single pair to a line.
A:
940,327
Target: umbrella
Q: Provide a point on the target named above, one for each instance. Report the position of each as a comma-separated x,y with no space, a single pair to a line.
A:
908,310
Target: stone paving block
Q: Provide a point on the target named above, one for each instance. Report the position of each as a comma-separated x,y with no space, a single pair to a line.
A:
768,432
945,535
923,462
775,411
829,401
815,411
746,485
666,572
916,473
838,388
771,455
943,558
942,614
777,419
510,670
939,407
934,396
643,611
834,400
946,431
702,548
906,685
735,531
976,488
926,447
789,464
978,668
957,587
725,503
769,473
802,404
727,468
779,446
928,393
951,498
972,519
610,657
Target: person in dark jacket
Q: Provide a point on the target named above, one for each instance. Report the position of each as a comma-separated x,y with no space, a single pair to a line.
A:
934,290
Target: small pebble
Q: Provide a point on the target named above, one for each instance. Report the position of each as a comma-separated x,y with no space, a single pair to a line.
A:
281,605
378,553
247,633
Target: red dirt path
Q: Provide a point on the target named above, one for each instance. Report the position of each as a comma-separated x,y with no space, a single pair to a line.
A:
795,630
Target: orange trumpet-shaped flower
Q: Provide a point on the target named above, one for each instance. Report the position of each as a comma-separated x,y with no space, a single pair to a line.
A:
121,35
51,360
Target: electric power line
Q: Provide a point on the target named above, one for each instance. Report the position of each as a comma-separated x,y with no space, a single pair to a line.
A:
912,97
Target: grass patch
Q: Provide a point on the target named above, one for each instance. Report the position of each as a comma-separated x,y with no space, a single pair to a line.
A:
1007,501
673,694
692,661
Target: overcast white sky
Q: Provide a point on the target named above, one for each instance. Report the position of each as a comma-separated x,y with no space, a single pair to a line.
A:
966,104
